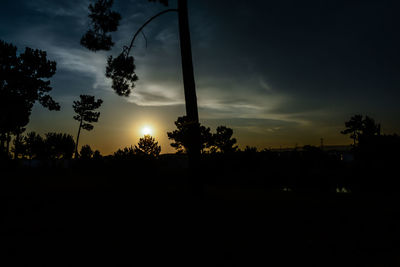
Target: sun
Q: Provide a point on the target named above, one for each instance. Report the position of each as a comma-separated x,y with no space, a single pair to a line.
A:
147,130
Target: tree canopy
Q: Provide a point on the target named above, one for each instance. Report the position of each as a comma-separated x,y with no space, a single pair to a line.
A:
359,127
84,108
181,136
147,146
125,154
34,145
222,140
59,145
52,146
103,21
86,152
24,79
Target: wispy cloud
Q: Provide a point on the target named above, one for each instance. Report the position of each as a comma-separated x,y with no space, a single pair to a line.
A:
82,62
154,94
71,8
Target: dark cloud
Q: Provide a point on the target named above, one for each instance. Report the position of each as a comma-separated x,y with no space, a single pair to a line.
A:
305,48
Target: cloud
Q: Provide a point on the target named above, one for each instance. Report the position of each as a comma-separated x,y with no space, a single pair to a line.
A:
154,94
257,126
76,61
71,8
82,62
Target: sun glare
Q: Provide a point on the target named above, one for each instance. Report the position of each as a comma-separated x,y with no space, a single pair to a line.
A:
146,130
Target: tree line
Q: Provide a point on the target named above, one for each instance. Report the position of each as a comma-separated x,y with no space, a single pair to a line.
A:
63,146
219,142
24,80
53,146
369,144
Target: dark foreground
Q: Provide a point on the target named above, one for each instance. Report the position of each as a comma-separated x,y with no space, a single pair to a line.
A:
66,218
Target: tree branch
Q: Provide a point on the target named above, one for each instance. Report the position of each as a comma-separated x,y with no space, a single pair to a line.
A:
144,25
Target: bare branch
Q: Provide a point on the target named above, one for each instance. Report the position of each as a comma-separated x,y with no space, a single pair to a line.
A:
144,25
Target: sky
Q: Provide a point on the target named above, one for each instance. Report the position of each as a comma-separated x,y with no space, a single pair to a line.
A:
279,73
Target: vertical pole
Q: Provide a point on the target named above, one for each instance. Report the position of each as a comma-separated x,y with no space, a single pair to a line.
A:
189,84
191,101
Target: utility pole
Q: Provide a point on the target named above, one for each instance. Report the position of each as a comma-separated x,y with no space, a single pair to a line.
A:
189,84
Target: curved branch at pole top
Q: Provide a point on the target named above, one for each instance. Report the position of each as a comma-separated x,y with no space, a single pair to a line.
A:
144,25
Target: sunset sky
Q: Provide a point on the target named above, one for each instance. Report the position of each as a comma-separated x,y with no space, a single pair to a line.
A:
279,73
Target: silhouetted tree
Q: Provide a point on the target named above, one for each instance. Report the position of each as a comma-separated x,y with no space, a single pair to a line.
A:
122,68
86,152
85,114
222,140
23,81
97,155
354,127
148,146
19,146
59,146
359,128
103,21
125,153
181,136
250,149
370,128
18,142
34,145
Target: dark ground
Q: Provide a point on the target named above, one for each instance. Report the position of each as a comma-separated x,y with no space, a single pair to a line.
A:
73,217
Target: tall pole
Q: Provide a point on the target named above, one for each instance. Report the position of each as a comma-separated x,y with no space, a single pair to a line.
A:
189,84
